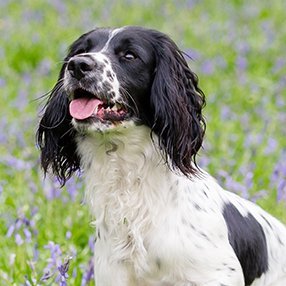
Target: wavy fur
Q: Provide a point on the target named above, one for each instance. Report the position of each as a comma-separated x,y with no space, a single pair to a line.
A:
160,220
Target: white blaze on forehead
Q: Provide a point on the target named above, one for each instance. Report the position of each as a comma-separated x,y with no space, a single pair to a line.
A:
111,36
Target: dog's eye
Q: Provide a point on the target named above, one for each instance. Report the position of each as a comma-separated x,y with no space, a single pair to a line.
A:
129,56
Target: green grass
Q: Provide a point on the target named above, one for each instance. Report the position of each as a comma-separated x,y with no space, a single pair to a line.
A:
239,55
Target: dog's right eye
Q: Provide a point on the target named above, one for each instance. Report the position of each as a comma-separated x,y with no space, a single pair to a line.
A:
130,56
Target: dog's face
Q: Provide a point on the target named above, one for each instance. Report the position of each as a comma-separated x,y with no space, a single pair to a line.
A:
113,77
108,78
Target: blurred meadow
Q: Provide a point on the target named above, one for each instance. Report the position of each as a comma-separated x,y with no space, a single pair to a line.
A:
239,53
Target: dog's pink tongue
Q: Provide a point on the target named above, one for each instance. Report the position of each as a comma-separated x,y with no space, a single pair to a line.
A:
83,108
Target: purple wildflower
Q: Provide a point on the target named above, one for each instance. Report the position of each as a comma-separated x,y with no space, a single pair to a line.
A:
51,189
55,265
88,274
28,234
18,239
192,54
59,6
279,178
270,34
271,146
91,242
53,261
2,82
44,67
16,163
68,234
279,65
47,275
225,112
21,100
22,229
63,272
252,140
242,47
207,67
241,63
259,195
35,252
281,190
236,187
55,253
11,230
72,188
27,282
248,180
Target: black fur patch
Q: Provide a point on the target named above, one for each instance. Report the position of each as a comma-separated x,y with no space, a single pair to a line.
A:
248,240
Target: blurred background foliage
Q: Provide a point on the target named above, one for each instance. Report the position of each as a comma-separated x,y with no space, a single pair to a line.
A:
238,51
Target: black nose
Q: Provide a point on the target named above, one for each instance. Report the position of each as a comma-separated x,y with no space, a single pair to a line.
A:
79,67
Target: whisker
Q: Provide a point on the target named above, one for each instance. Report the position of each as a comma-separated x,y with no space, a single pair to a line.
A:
128,95
63,62
56,88
187,55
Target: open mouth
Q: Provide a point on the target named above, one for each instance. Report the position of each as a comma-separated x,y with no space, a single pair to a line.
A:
86,106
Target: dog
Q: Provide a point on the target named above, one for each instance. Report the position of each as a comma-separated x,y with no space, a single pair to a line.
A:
127,111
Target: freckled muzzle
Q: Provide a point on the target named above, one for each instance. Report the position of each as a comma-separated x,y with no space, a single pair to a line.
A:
93,88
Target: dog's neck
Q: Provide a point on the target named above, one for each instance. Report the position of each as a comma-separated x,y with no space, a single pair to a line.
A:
120,168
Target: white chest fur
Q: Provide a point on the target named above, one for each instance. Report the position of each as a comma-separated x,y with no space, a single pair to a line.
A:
115,171
124,183
146,215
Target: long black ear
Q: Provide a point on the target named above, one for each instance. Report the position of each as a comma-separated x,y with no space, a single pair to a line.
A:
177,104
56,136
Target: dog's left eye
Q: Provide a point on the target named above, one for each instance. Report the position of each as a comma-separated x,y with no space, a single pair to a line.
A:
129,56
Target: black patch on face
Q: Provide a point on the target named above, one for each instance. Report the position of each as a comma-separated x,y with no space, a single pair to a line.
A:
248,240
135,76
92,41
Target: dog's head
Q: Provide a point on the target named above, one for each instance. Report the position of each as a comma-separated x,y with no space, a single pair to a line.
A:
112,77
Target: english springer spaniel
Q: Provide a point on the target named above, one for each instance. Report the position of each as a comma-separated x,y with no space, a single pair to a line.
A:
127,111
